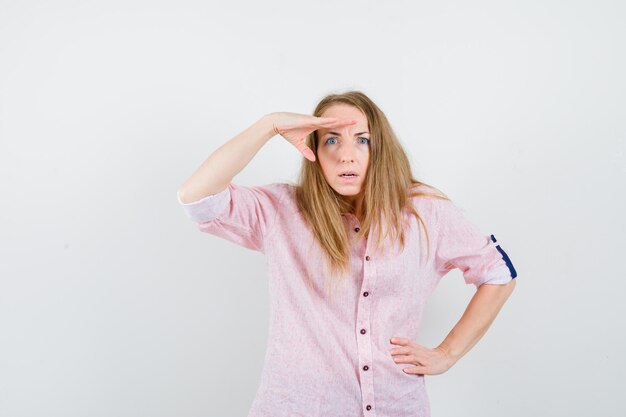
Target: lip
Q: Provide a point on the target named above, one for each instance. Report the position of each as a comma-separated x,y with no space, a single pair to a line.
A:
348,172
348,179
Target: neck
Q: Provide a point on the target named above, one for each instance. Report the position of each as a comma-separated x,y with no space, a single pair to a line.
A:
356,205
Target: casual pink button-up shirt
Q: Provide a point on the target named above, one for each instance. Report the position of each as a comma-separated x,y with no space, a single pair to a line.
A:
330,358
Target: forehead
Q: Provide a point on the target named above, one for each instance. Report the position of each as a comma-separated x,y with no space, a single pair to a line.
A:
346,111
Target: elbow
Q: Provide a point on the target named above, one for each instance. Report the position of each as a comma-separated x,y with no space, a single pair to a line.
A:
182,198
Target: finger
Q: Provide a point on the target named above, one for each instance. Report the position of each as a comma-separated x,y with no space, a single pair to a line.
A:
416,370
405,350
399,341
338,122
344,122
323,121
405,359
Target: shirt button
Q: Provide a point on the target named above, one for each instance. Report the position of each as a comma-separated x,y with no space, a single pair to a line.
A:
369,407
365,294
356,229
367,258
363,331
365,368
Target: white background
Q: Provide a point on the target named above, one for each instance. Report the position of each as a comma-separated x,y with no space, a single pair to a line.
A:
113,304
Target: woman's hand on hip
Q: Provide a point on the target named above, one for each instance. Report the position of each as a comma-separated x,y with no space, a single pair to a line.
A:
425,361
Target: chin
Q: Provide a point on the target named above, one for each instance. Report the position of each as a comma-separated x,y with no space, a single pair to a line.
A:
347,191
353,194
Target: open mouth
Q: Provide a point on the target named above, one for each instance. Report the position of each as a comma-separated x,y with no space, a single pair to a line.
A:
348,177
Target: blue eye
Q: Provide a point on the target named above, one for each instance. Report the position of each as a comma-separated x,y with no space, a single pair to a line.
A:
366,140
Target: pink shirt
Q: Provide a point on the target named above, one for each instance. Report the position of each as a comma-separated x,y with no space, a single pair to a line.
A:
327,359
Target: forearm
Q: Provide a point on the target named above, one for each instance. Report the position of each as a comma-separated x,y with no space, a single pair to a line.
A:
218,170
478,316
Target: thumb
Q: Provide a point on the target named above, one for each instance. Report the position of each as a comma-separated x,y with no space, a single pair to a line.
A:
305,150
308,153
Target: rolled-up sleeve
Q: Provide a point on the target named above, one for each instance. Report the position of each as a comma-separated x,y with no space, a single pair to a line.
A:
460,244
239,214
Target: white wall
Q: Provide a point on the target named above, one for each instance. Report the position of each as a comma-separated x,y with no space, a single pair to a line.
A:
113,304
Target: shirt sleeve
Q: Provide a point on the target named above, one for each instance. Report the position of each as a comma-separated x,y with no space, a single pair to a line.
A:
239,214
460,244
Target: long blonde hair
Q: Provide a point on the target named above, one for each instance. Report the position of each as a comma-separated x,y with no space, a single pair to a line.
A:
387,189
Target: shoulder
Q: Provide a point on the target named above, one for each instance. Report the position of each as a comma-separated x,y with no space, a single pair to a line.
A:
282,190
427,197
434,206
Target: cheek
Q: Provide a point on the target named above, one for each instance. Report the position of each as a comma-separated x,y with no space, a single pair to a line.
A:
323,164
324,155
365,156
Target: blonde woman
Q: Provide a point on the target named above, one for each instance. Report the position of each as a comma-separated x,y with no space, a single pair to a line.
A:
354,250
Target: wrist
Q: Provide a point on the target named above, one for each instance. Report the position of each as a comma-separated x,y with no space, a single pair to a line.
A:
267,122
452,354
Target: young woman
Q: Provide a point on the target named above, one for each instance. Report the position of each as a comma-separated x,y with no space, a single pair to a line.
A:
353,252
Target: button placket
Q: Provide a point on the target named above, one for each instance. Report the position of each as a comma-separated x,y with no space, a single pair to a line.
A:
364,340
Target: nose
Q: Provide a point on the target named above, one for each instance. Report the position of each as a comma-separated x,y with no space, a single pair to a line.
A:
347,152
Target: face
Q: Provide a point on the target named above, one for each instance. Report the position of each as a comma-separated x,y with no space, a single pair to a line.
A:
345,149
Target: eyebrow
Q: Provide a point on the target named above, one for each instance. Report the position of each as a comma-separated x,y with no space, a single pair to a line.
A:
339,134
